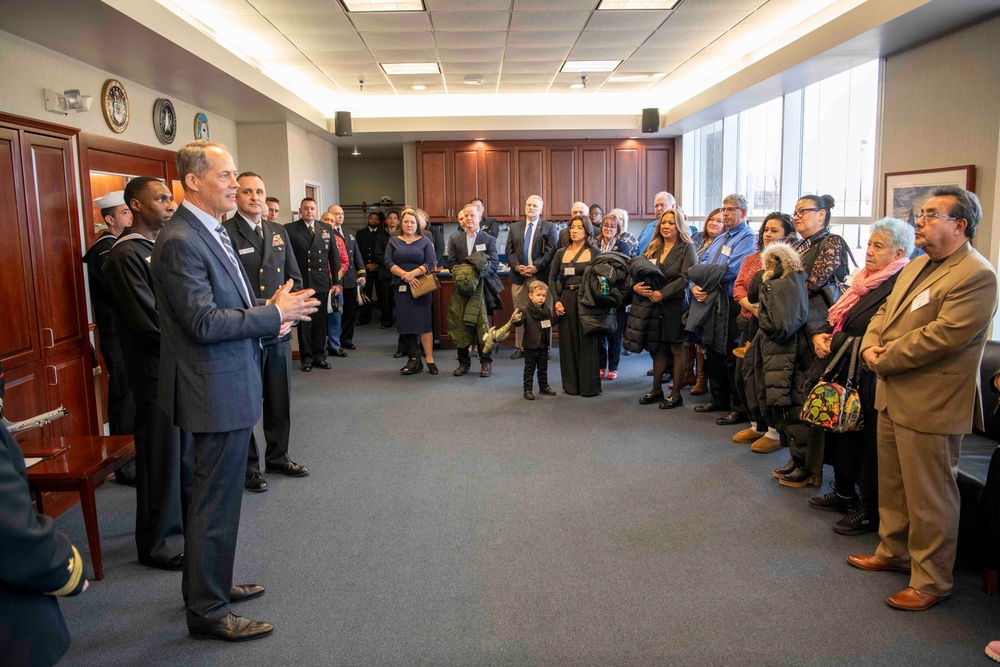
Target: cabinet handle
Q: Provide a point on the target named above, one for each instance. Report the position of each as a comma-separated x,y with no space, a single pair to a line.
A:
55,375
52,337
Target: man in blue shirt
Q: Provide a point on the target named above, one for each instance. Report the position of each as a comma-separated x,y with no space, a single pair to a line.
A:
663,201
729,248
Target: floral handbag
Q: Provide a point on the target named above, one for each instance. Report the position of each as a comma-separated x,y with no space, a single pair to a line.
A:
833,406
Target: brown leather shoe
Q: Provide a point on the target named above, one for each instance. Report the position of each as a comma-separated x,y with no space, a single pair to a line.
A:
747,436
486,370
874,564
910,599
461,370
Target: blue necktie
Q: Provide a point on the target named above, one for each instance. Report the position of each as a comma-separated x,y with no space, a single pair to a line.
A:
228,245
527,244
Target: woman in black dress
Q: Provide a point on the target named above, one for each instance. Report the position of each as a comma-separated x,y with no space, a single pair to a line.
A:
672,251
408,257
578,355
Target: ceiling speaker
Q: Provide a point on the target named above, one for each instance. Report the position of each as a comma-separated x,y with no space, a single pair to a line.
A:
342,124
650,121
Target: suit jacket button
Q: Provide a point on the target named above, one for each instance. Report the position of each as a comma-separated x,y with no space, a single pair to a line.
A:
255,357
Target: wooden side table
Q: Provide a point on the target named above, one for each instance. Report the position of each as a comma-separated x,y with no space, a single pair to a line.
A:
82,467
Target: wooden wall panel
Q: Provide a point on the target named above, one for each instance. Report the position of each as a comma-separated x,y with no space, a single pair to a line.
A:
497,195
562,184
595,174
658,175
432,175
530,175
626,174
467,179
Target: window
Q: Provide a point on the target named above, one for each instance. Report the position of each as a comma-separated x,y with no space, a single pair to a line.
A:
702,160
758,158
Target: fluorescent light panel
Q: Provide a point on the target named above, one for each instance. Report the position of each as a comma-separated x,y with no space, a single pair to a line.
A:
590,66
410,68
636,78
384,5
637,4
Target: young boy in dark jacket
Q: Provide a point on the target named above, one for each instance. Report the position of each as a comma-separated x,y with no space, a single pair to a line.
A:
537,321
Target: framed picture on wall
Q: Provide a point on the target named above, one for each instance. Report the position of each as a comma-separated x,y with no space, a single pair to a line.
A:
906,191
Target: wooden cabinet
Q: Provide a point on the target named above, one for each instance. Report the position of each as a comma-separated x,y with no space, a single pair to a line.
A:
624,174
45,346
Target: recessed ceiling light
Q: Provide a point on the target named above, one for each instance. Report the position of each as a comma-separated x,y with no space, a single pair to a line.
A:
384,5
590,65
473,80
576,86
419,87
637,4
410,68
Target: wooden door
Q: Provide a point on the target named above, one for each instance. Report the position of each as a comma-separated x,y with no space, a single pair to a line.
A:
626,176
595,176
26,396
562,184
67,378
432,183
466,178
530,164
498,194
20,342
658,174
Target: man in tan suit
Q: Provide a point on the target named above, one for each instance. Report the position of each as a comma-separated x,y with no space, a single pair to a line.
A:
925,344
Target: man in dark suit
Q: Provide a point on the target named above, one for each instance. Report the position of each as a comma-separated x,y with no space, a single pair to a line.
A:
268,262
355,275
366,237
489,225
210,380
121,404
462,244
319,263
539,237
163,457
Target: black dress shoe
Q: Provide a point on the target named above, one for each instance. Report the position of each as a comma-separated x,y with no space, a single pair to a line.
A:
432,368
323,364
289,469
255,483
547,390
413,367
241,592
172,565
528,396
671,403
461,370
651,398
785,469
350,346
306,368
518,354
398,355
708,407
338,353
732,418
233,628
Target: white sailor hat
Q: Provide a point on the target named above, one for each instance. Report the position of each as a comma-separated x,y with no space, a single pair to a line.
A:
110,200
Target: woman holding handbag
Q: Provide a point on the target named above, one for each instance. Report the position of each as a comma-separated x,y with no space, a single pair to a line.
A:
409,257
854,453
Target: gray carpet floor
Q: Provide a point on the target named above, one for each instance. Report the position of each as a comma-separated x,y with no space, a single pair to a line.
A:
447,521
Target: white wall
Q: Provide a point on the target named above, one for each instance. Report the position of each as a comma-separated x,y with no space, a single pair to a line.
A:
264,150
311,159
26,69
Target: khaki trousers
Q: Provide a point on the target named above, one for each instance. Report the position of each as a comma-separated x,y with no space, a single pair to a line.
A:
918,503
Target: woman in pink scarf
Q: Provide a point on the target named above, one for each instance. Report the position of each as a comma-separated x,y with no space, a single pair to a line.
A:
854,454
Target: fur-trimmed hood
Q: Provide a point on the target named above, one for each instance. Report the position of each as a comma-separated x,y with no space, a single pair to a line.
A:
780,254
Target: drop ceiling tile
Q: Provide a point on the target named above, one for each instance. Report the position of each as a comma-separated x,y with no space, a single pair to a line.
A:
350,71
471,40
430,90
276,48
381,41
471,90
249,25
646,52
218,7
593,80
705,19
297,6
484,67
793,5
338,41
629,38
544,21
620,87
545,5
622,21
599,52
350,83
748,5
306,23
454,80
408,80
535,54
467,55
668,36
530,66
407,56
340,58
470,21
523,87
391,21
374,89
776,22
554,38
466,5
515,77
644,65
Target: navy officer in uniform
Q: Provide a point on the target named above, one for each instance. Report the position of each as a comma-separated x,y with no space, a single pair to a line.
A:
263,251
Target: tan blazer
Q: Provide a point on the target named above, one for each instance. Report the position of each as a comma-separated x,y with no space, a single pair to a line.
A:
929,374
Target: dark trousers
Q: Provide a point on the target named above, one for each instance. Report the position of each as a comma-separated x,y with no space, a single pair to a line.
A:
386,301
213,522
312,335
350,316
409,344
276,373
164,462
536,359
609,349
721,367
855,455
465,359
365,313
121,403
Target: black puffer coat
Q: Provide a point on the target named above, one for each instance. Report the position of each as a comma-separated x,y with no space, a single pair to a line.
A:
643,324
598,301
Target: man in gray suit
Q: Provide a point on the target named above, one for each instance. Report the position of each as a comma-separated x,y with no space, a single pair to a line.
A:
210,377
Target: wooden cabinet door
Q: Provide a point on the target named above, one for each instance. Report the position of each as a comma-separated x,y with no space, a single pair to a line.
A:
657,174
626,173
562,179
432,183
530,164
20,342
466,178
595,176
67,379
498,193
25,397
52,208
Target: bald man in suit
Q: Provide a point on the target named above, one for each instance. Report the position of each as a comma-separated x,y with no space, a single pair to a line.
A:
925,345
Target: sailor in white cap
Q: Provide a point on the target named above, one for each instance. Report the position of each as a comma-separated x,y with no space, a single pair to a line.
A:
121,407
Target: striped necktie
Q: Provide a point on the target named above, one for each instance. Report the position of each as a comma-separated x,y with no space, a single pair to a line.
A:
228,245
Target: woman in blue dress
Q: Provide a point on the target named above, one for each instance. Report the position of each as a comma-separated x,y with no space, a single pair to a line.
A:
408,257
